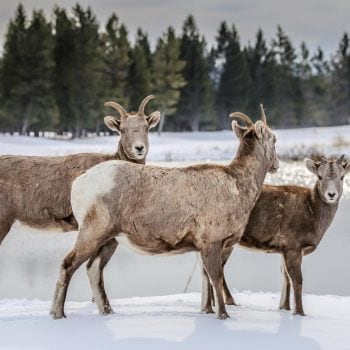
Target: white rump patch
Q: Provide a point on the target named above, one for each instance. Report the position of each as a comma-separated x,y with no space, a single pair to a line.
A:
95,182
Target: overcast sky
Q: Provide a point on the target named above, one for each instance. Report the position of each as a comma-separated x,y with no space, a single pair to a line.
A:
318,22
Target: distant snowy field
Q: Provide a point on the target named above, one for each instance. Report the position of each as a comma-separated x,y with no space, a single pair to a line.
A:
173,322
188,146
29,263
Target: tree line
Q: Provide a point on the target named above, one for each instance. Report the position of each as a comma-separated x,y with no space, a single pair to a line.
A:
56,74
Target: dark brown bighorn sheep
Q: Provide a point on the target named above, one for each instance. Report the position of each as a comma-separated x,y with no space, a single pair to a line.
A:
157,210
37,190
291,221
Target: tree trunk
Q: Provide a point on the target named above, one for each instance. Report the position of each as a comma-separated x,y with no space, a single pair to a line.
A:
77,130
161,123
195,122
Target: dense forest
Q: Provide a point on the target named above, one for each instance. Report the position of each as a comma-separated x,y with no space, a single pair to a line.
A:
56,74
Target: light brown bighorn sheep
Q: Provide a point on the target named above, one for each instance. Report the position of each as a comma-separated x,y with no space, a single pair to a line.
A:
157,210
37,190
291,221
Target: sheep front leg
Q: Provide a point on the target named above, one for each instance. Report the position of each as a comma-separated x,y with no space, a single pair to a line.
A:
285,294
95,268
293,262
212,262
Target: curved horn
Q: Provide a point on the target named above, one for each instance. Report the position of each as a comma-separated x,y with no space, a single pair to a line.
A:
144,103
118,107
323,160
242,117
340,160
262,112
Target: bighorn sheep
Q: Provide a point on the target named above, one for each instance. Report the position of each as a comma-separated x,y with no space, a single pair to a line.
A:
291,221
37,190
157,210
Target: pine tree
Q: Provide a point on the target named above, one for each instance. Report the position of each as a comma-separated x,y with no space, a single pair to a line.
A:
261,63
65,79
312,73
41,112
233,90
79,66
15,88
289,99
88,69
168,79
116,52
196,99
27,74
140,73
340,87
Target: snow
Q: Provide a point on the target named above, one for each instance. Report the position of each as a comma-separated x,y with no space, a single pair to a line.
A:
189,146
174,322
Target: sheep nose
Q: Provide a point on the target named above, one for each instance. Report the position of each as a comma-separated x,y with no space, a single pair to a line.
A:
331,194
139,148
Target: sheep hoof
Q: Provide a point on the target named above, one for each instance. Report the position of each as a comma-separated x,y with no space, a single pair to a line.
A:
223,316
208,310
230,301
107,311
285,307
57,315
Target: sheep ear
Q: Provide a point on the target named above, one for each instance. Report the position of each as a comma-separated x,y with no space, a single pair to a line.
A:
312,166
112,123
153,119
260,129
240,131
346,166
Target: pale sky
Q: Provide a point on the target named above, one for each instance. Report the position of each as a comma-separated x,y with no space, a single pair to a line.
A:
317,22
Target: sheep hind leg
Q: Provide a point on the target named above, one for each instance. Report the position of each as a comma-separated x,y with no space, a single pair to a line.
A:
212,262
95,269
227,294
84,248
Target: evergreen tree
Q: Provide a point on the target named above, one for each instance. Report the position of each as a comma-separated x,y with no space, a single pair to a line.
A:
313,75
261,63
233,91
79,69
168,79
27,74
289,99
15,88
340,87
41,112
140,73
196,98
88,69
65,79
116,52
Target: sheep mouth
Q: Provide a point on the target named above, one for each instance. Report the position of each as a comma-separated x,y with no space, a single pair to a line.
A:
273,170
139,155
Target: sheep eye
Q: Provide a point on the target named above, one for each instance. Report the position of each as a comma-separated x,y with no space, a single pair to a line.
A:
319,177
342,178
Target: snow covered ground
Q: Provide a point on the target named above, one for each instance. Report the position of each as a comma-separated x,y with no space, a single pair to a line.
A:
29,264
174,322
189,146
